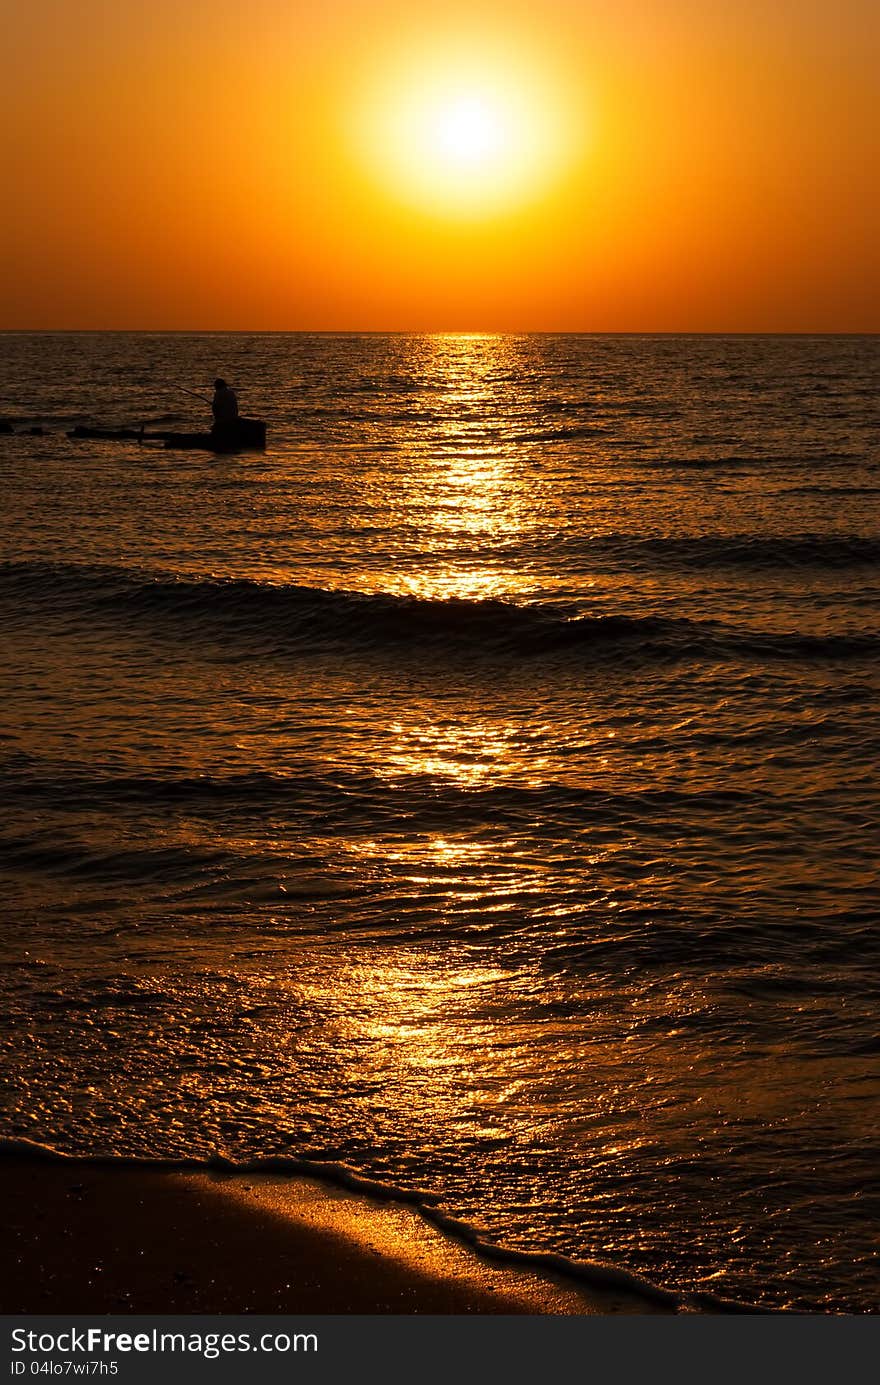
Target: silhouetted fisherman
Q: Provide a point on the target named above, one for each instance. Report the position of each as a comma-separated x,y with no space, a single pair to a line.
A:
224,405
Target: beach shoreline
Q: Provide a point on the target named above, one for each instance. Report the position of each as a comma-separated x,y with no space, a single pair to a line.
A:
86,1236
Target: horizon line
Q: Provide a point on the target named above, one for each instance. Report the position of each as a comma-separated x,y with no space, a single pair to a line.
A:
434,332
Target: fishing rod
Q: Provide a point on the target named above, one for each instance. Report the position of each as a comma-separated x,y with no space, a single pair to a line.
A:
200,397
194,394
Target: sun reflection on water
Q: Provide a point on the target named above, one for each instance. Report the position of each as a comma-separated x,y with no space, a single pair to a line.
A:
462,480
467,751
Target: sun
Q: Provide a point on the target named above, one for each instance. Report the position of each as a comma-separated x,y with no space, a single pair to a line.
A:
465,135
461,145
468,133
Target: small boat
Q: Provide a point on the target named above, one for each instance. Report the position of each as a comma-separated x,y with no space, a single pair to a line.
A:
239,435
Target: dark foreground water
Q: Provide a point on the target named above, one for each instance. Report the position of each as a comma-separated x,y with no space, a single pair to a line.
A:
478,790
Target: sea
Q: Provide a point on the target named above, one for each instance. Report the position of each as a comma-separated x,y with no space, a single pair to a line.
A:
477,791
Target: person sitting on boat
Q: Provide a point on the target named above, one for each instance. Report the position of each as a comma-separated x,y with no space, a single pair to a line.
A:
224,405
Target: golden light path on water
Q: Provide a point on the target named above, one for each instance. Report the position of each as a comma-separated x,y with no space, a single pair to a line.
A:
468,488
436,1033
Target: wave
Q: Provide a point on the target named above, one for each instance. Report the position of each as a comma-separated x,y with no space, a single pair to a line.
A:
330,788
278,620
729,550
586,1273
735,460
830,490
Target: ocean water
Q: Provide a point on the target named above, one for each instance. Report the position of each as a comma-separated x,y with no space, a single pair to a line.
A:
478,790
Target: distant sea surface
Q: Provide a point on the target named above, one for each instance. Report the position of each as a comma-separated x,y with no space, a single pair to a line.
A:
478,790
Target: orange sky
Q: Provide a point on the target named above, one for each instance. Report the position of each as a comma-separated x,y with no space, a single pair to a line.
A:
650,165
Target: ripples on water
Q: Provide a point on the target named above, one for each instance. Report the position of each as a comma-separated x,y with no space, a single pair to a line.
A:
478,789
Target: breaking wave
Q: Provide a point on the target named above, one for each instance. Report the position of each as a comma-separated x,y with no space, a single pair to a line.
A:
285,619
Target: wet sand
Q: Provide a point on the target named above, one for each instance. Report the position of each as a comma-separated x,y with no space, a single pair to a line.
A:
85,1237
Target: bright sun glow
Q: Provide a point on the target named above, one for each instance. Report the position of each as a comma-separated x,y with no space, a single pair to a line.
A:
469,132
465,135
